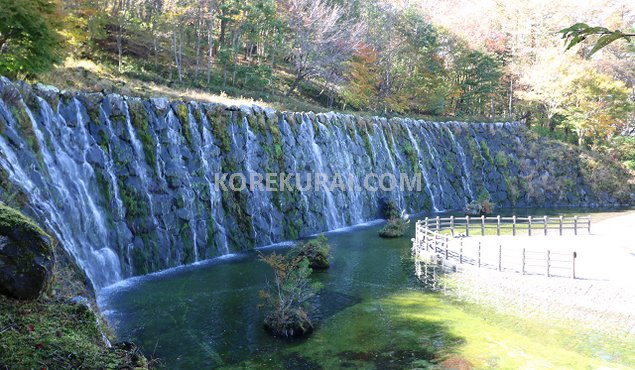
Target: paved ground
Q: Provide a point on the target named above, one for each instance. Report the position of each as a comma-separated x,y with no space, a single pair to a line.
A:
603,296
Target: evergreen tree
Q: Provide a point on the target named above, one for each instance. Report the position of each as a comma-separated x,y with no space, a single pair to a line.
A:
29,40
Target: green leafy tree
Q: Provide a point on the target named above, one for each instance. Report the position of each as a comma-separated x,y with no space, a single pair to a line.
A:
622,148
549,83
476,77
29,40
597,106
316,251
287,296
580,32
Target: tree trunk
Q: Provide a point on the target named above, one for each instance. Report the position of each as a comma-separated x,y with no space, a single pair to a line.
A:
294,85
198,42
223,28
177,59
235,55
119,14
511,96
210,42
119,50
224,72
273,61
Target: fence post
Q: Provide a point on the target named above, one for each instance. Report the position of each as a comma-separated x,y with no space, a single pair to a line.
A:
523,270
414,246
461,254
561,225
452,225
546,220
498,225
438,226
529,226
575,225
417,237
482,225
425,239
573,265
479,254
467,225
500,257
589,226
436,243
514,225
426,221
447,242
548,261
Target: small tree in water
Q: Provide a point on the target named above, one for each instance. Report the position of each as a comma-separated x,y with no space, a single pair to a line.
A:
481,207
316,252
287,296
397,222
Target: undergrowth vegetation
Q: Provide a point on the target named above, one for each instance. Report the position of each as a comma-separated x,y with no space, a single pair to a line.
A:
316,251
58,334
287,296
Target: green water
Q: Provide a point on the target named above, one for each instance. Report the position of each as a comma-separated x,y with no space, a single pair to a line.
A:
371,313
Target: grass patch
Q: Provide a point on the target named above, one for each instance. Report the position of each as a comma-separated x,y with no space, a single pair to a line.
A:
417,329
57,335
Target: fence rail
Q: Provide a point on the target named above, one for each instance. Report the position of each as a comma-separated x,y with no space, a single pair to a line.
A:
430,240
514,224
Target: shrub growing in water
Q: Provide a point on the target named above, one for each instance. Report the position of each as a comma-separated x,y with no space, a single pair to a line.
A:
316,251
390,210
397,222
287,296
394,229
481,207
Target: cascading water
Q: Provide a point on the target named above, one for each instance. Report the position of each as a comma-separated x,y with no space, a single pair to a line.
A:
467,181
422,167
436,161
207,148
332,220
398,194
129,186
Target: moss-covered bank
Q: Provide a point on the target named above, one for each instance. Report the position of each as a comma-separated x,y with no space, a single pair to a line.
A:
55,333
60,328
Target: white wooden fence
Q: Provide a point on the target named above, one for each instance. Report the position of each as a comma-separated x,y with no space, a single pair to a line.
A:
433,239
530,225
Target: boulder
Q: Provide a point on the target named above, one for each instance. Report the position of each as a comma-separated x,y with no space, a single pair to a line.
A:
26,256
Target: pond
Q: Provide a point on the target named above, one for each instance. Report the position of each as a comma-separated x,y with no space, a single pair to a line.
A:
371,313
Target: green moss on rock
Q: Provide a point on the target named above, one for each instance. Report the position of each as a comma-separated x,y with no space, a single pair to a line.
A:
501,159
58,335
219,122
26,256
141,122
182,114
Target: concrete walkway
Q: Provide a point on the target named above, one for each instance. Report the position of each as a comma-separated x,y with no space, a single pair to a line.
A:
608,253
603,296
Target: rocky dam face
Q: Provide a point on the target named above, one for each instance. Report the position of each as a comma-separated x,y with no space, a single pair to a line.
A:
130,186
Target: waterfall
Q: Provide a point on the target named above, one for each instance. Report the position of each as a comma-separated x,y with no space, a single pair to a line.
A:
435,157
466,171
345,146
424,170
130,186
332,221
207,148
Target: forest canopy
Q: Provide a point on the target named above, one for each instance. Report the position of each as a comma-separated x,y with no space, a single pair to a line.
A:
450,59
